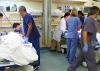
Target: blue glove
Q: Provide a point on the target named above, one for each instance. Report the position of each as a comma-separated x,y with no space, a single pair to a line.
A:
65,34
25,40
85,48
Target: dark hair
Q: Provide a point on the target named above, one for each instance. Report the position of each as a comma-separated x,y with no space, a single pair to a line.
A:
22,8
80,13
66,14
61,17
15,25
1,15
94,10
69,10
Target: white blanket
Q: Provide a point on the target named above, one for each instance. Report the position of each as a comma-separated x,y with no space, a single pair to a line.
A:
13,49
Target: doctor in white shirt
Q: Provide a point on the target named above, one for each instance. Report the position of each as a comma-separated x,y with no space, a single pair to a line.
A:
60,28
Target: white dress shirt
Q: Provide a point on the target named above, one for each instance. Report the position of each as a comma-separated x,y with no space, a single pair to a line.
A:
62,25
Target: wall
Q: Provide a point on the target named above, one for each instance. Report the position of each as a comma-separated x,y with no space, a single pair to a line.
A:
96,3
31,6
88,3
37,5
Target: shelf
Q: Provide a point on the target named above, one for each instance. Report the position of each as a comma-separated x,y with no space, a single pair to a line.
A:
54,24
11,20
69,1
5,27
36,13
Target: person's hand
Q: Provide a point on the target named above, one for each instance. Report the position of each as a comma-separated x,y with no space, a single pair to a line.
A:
65,34
25,40
23,35
85,48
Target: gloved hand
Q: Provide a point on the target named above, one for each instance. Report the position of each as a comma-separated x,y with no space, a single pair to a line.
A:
25,40
65,34
85,48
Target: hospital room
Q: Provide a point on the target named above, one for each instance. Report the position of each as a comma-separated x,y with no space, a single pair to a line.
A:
49,35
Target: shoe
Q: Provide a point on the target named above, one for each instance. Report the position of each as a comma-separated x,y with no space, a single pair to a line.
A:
84,64
36,68
70,69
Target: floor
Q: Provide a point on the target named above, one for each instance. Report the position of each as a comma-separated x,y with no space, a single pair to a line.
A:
52,61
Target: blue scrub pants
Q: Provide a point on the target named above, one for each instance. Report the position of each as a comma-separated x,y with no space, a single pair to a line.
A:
71,49
36,44
2,68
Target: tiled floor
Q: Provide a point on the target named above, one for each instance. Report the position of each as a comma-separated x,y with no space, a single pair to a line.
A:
52,61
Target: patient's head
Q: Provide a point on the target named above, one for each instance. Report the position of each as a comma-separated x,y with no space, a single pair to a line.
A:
1,15
17,27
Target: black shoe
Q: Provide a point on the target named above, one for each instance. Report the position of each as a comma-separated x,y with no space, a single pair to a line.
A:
70,69
36,68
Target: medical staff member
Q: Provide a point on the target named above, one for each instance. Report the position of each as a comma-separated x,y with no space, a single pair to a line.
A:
73,24
31,33
60,28
81,17
88,42
62,24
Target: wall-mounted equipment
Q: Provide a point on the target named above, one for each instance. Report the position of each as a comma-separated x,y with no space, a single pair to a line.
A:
8,8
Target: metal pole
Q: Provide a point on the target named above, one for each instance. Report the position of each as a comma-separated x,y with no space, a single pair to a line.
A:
44,26
49,23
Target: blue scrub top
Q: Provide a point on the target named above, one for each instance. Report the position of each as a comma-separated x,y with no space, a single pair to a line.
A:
34,32
72,27
82,20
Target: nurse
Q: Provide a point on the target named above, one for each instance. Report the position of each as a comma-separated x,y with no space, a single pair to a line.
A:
30,32
73,24
88,42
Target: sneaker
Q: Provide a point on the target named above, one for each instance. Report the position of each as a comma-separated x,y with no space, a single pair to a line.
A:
36,68
84,64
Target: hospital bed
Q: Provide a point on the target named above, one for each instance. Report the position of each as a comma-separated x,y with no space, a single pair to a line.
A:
10,64
5,65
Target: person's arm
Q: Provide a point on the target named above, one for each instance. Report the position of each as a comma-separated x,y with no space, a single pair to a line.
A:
79,27
62,25
29,29
85,37
79,24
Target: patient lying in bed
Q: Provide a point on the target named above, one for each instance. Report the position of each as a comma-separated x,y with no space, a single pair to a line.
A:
13,49
17,28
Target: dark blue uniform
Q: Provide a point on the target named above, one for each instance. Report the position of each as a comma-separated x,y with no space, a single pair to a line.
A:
34,35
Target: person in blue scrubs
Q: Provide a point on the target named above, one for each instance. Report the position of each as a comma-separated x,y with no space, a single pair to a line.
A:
73,25
81,17
30,31
88,42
